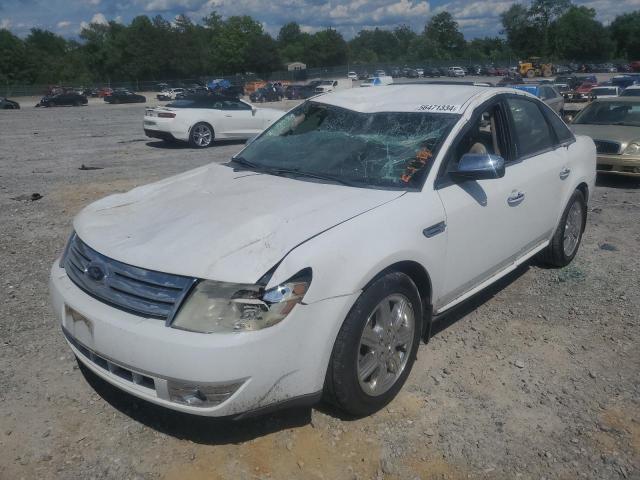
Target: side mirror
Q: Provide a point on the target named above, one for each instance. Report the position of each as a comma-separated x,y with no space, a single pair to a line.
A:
474,166
253,111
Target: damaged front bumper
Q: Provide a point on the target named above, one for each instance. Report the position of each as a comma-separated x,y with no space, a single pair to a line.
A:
205,374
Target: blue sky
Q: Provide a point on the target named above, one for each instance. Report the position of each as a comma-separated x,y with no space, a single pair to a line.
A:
476,17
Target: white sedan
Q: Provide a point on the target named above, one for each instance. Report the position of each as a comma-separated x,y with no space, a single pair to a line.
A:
201,120
314,262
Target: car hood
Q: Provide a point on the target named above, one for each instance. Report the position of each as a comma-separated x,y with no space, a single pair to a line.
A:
614,133
216,223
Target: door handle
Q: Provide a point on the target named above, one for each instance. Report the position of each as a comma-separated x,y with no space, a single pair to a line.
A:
515,198
228,115
564,173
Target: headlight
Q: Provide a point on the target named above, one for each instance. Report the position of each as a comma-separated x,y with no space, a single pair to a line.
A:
65,252
632,149
220,307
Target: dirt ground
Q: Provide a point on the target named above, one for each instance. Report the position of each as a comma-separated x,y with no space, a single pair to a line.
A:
536,379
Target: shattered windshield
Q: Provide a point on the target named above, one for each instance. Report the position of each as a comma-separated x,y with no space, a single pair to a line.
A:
386,150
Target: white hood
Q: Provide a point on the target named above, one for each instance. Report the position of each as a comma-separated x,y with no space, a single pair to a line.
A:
218,224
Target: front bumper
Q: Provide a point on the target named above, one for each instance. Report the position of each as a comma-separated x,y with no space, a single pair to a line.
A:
619,165
143,357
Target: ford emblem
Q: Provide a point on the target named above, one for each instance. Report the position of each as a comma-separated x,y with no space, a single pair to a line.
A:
96,272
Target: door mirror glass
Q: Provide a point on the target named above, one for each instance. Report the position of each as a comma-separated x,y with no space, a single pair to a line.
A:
477,166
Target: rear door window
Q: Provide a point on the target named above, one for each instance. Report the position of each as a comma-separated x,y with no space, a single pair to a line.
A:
531,130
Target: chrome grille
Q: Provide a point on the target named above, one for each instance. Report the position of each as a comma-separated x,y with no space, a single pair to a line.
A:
136,290
605,146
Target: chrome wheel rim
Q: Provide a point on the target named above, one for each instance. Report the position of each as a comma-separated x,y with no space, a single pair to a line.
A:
201,135
385,344
572,229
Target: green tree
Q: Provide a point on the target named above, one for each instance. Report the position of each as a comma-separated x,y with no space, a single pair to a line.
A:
12,58
523,35
326,48
625,32
579,36
443,31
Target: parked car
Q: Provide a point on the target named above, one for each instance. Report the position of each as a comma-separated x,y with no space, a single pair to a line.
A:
632,91
512,78
220,291
431,72
266,94
502,71
204,119
627,80
562,70
411,73
635,66
456,72
379,73
352,76
296,92
170,94
547,93
104,92
326,86
614,125
564,89
377,81
6,104
605,92
125,96
582,92
571,80
90,92
420,71
69,98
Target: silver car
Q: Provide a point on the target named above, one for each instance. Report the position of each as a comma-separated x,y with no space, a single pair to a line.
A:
614,126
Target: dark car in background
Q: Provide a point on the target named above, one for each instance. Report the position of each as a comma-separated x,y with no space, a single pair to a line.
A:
68,98
431,72
6,104
299,92
266,94
125,96
571,80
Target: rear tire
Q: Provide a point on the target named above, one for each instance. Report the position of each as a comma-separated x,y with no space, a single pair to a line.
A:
568,235
373,352
201,135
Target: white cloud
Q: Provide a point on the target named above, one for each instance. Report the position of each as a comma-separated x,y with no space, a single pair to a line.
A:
5,23
99,18
63,24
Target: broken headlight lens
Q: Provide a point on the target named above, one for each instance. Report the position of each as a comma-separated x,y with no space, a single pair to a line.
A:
220,307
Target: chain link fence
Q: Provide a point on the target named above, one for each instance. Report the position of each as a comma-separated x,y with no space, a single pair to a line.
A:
152,85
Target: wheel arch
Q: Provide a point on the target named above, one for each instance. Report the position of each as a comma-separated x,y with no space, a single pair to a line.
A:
421,278
584,189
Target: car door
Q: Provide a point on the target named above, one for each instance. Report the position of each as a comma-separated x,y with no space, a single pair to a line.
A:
239,119
492,223
484,225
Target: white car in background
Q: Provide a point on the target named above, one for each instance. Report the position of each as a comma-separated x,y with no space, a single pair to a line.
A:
169,94
315,260
377,81
352,76
203,119
605,92
326,86
456,72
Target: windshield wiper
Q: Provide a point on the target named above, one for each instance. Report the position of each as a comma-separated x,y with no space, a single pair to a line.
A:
243,162
294,172
319,176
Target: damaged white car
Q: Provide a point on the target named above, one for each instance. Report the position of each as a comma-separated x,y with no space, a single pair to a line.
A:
314,261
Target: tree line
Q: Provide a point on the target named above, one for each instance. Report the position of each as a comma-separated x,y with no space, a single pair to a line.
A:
154,48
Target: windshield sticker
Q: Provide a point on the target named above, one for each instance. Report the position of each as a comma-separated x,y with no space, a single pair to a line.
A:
439,108
422,157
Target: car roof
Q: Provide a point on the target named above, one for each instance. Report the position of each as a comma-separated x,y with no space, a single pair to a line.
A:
407,97
633,87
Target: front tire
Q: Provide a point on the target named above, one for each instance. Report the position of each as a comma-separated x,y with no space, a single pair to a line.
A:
376,346
201,135
566,240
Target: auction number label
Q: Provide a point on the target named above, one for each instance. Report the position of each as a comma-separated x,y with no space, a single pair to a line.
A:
439,108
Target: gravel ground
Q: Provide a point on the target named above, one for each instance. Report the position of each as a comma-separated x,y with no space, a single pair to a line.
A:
536,379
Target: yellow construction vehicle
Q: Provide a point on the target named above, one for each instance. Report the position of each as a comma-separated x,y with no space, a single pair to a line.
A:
534,68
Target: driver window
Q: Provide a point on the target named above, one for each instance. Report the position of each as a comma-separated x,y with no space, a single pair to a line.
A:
482,137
